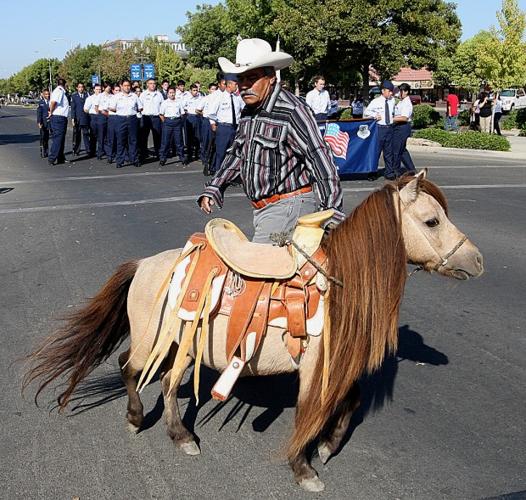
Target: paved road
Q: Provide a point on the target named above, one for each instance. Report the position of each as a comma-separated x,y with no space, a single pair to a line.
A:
444,419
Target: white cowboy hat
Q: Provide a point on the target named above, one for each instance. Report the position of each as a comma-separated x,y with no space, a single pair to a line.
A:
252,53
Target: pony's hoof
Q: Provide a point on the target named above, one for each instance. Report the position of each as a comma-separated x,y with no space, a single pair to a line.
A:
190,448
314,484
134,429
324,452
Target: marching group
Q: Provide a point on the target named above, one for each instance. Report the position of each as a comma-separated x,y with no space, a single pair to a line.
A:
115,121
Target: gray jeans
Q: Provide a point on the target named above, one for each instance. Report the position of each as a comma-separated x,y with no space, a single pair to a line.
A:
282,216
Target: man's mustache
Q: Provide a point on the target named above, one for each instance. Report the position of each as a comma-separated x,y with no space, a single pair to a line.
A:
248,92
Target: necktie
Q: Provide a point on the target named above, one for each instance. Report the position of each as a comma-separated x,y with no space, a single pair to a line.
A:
234,121
387,114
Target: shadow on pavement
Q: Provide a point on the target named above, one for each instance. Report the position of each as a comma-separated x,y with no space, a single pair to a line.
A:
5,190
18,138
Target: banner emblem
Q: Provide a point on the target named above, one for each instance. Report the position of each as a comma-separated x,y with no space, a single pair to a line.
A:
363,132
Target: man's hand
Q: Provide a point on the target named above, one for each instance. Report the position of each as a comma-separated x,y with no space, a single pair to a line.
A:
206,204
213,127
39,125
73,122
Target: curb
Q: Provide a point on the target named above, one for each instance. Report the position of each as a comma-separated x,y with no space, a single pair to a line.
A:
467,152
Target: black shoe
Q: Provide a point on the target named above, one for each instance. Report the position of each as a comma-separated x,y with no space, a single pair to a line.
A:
182,160
44,155
119,165
137,163
390,177
99,158
51,163
162,163
110,161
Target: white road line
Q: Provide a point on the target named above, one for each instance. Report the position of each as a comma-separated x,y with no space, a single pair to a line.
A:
193,197
199,171
97,177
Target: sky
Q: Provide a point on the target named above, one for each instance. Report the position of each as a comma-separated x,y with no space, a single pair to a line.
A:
31,32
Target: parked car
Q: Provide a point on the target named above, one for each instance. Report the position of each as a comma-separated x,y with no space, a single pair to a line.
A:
513,99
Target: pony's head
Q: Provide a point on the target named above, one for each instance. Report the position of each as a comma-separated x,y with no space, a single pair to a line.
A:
431,239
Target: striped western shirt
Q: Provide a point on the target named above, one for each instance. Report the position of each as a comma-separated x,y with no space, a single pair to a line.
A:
278,149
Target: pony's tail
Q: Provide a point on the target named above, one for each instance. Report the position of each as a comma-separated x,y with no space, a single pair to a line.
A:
88,338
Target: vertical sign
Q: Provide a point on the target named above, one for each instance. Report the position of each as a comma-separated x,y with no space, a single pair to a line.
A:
149,71
94,80
136,72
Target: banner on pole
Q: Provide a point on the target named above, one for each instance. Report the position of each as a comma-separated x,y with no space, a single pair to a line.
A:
353,145
94,80
149,71
136,71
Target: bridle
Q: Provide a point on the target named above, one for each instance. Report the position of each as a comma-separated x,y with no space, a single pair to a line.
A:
443,260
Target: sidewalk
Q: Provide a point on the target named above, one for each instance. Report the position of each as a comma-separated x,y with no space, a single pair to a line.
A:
517,152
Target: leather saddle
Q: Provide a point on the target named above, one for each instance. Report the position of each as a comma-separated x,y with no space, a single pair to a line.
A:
255,285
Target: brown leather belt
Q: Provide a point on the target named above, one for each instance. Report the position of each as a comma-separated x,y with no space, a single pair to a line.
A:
277,197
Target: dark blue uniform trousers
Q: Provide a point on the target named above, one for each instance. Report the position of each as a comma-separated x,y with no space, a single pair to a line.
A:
206,137
402,159
193,134
385,146
151,123
126,129
110,144
84,131
59,126
98,125
172,132
225,134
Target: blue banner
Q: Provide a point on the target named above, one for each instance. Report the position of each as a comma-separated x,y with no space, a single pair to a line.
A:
353,145
149,71
94,80
136,71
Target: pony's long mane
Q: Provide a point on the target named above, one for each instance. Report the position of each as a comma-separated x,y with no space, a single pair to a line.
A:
367,253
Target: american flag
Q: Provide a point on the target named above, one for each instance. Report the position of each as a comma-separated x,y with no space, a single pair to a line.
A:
337,140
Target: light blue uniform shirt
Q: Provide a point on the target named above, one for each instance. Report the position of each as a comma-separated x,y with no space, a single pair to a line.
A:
172,108
404,108
59,96
151,102
377,107
91,103
126,104
220,108
191,103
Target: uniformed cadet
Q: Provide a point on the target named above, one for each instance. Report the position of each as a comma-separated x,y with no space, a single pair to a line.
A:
318,99
224,114
193,123
206,131
164,88
80,120
103,116
43,123
151,100
171,114
97,125
126,106
382,110
357,107
402,131
58,112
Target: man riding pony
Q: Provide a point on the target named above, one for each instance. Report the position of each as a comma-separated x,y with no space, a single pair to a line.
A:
278,154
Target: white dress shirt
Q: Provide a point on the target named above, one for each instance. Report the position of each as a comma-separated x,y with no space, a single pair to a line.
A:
204,104
151,102
172,108
104,101
191,103
404,108
377,107
59,96
319,102
91,103
220,108
126,104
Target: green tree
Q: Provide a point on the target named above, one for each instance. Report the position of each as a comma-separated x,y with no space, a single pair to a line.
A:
115,64
80,63
168,64
502,59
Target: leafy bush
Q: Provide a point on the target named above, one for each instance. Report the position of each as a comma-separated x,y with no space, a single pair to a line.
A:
464,118
465,140
346,114
515,119
424,116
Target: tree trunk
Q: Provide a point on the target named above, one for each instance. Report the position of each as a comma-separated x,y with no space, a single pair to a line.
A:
365,81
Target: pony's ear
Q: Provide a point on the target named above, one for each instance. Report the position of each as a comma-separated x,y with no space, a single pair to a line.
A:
422,174
409,192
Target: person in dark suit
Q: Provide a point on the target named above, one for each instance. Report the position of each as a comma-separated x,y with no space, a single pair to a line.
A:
43,123
80,120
